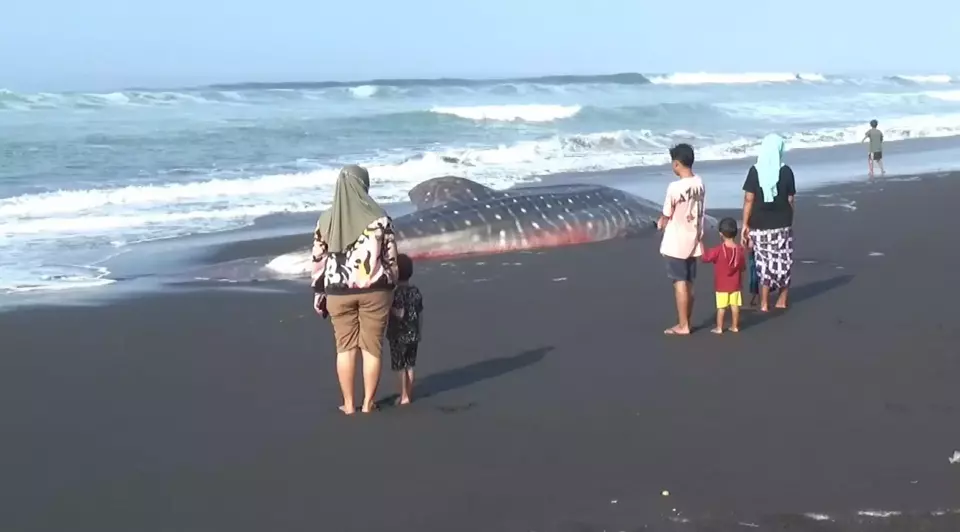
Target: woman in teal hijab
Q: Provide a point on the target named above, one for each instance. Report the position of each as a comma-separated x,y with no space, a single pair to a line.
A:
769,162
768,195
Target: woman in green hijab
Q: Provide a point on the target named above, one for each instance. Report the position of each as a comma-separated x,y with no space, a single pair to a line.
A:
355,270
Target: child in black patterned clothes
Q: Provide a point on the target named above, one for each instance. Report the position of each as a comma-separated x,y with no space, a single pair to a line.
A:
403,330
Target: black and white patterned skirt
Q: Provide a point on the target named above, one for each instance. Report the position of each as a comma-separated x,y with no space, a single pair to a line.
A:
773,249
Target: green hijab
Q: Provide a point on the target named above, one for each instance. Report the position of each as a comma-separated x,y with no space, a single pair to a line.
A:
352,210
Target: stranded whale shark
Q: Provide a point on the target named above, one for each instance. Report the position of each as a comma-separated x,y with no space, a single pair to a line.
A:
458,217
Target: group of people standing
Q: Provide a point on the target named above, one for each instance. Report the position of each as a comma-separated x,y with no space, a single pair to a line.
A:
766,237
362,283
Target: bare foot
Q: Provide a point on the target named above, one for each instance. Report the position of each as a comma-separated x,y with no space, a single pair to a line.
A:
676,330
403,401
734,329
716,330
764,308
346,410
372,407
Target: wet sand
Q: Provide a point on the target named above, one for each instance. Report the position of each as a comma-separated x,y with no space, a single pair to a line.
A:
549,399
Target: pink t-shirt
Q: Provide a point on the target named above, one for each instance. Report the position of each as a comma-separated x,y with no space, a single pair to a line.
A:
683,234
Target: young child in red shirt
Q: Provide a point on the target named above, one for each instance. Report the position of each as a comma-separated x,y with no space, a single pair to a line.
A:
729,261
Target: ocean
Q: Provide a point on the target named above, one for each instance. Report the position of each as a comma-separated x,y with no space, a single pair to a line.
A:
84,176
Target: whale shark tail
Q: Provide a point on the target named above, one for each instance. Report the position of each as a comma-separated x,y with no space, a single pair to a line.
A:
448,190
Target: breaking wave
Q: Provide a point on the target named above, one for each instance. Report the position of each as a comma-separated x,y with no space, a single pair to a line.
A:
240,94
935,78
168,206
705,78
510,113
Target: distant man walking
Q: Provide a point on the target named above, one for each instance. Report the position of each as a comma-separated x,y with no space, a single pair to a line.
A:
875,155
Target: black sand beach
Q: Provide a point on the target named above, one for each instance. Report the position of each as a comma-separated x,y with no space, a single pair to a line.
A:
550,399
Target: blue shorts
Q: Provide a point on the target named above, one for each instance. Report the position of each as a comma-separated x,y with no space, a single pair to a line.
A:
681,269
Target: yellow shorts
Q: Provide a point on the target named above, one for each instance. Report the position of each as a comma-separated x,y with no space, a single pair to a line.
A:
729,299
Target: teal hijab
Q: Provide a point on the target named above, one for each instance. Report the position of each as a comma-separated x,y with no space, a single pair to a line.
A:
769,162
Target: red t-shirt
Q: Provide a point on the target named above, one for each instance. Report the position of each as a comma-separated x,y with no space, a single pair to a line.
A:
728,265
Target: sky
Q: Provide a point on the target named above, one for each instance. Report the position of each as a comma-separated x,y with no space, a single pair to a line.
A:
89,44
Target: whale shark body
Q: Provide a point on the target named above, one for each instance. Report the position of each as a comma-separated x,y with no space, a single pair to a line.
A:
456,216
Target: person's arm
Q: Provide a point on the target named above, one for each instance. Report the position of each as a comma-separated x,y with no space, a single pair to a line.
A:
790,184
390,251
710,255
319,257
418,309
750,186
667,212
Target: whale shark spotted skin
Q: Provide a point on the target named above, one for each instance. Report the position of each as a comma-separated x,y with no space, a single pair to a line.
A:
456,216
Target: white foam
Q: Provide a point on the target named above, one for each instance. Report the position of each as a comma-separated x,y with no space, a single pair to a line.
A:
364,91
704,78
878,513
934,78
947,96
511,113
59,284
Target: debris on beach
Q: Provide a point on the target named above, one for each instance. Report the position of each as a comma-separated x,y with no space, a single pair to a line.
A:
955,459
558,279
665,493
876,254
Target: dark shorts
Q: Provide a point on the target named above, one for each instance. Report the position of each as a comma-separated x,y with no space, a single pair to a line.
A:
877,155
403,356
681,269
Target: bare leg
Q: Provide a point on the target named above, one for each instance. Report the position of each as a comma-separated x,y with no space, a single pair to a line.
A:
346,370
721,312
692,292
734,318
764,298
406,386
371,379
782,298
880,164
870,164
681,292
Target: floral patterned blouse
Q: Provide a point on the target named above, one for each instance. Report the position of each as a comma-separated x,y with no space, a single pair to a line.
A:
367,265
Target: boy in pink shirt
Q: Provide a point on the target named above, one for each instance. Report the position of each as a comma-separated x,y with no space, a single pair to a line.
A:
682,225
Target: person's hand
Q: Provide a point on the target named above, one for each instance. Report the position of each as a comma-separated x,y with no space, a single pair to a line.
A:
745,235
318,305
661,222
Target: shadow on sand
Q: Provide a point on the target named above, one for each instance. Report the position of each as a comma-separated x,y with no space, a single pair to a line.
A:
798,294
452,379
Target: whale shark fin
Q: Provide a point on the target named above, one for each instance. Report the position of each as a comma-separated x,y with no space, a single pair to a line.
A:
449,190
